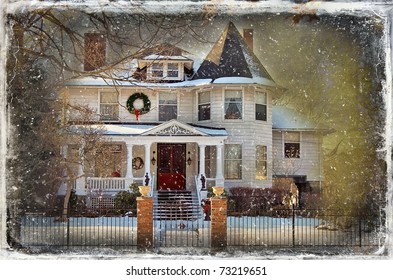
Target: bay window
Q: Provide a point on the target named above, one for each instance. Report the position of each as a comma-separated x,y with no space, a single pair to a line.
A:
203,106
260,106
261,162
233,161
233,104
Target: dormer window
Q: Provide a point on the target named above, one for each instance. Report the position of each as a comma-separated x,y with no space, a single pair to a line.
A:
166,71
157,70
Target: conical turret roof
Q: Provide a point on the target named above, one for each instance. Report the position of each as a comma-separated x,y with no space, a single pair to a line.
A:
231,57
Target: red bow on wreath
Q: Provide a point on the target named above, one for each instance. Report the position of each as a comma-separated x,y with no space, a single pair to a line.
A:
136,114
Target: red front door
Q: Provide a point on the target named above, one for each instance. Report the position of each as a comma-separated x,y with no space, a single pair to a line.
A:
171,166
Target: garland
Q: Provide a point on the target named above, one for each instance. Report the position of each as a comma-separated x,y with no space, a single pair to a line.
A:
131,100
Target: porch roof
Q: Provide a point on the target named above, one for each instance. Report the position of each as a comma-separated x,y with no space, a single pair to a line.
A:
173,128
285,118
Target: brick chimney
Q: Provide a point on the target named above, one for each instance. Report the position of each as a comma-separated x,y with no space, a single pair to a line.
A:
248,35
95,51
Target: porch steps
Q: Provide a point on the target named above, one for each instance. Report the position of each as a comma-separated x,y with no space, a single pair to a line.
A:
176,205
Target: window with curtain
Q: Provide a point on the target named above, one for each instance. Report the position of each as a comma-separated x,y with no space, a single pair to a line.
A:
233,104
203,106
261,162
260,106
109,106
233,161
167,109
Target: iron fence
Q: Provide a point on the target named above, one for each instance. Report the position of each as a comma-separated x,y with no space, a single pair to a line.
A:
115,229
256,228
262,228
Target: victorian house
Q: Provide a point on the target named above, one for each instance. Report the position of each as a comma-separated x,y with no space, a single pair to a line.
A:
178,122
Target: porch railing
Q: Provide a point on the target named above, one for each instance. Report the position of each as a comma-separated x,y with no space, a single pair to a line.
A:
114,183
106,183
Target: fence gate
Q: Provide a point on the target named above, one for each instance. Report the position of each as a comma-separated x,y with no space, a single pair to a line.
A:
182,233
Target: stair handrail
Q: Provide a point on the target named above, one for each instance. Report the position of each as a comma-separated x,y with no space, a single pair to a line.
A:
151,193
198,188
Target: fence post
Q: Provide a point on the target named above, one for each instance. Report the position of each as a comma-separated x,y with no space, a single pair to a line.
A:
293,225
68,225
218,229
144,223
360,228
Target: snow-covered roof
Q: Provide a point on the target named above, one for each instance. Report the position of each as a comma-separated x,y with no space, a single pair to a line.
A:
231,57
288,119
230,61
165,57
149,129
99,81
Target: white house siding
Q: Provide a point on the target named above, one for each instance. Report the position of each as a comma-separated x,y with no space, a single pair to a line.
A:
185,110
248,132
308,164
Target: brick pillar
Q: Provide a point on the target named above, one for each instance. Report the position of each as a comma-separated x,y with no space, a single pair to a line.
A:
218,223
144,223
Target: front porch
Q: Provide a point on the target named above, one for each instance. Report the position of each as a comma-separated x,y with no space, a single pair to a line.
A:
168,156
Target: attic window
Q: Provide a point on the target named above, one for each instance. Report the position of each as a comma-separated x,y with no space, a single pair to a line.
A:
173,70
157,70
167,71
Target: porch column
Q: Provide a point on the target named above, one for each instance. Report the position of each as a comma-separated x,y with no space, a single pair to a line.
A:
219,167
147,162
202,159
80,180
129,176
82,159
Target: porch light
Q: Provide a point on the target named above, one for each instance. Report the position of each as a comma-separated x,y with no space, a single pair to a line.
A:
153,160
189,160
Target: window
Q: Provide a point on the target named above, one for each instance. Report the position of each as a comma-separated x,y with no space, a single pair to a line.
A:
233,104
164,71
167,106
233,161
210,161
109,159
292,144
260,106
203,106
157,70
73,158
109,106
95,49
261,162
173,70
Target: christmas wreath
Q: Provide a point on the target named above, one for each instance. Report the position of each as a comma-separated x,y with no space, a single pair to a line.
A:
133,110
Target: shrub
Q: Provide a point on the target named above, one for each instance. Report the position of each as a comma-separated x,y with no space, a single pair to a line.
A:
247,200
126,200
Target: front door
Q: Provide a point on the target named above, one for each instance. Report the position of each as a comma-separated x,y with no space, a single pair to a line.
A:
171,166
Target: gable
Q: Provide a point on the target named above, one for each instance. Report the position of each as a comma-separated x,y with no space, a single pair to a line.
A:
174,128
